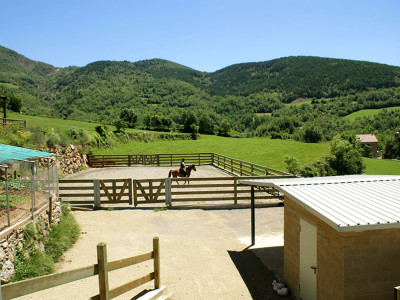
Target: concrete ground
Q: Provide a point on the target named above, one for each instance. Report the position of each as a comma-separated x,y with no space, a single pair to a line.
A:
204,253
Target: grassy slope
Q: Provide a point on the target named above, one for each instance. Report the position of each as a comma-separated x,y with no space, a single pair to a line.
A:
270,153
257,150
59,124
267,152
367,112
381,167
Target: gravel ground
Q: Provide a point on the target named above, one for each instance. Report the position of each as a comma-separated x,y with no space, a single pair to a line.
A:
203,252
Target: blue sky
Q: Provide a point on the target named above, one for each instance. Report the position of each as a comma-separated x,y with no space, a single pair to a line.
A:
205,35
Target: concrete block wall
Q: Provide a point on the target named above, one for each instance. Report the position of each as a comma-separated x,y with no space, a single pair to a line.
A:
330,262
372,263
351,265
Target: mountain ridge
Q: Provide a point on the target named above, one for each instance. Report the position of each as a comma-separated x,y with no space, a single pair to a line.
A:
101,89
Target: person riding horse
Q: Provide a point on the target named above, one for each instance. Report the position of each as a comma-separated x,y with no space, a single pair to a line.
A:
182,169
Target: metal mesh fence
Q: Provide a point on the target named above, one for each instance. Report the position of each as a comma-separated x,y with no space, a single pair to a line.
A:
25,187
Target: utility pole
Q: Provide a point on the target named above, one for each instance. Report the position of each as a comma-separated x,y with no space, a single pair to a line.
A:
4,109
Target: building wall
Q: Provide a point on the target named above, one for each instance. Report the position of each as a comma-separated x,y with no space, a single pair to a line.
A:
330,262
372,263
351,265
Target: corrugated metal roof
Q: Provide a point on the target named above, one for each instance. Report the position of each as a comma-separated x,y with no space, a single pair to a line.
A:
14,154
347,203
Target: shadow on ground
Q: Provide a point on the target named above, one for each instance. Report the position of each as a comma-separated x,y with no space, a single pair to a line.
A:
255,275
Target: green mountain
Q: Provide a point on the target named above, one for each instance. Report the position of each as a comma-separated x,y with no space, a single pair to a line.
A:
100,90
304,77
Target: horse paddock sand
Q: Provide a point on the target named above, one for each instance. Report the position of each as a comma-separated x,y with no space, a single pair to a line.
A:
203,252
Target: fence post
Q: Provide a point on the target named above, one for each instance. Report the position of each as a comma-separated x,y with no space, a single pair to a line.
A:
96,190
156,252
103,271
168,195
135,200
235,190
50,210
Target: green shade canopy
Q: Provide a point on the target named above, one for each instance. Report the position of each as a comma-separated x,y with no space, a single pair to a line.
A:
17,154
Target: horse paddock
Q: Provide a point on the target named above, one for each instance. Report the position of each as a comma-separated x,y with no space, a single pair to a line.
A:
203,251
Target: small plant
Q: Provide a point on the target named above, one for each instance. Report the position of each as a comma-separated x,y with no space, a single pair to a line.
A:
160,209
110,208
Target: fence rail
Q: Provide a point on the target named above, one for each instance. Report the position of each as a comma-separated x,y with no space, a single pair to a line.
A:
25,287
232,165
7,123
169,191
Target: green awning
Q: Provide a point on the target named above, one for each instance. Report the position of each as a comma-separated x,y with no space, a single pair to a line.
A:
14,154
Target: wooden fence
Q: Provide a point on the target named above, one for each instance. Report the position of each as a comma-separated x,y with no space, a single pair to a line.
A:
25,287
8,123
89,191
99,161
168,191
233,166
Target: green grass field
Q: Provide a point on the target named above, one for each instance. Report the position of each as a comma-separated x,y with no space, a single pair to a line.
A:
60,125
261,151
367,112
266,152
381,167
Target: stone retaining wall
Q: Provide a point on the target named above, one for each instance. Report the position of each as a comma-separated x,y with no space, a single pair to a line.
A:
15,239
68,161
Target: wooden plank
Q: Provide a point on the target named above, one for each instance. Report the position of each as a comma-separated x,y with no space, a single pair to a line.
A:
115,292
210,185
230,191
76,181
130,192
17,289
135,196
76,195
105,189
75,188
114,190
126,262
103,271
72,202
228,198
142,190
159,190
156,251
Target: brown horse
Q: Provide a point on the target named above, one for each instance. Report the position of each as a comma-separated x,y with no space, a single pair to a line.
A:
176,173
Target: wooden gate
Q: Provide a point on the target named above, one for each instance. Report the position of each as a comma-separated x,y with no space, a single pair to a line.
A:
151,190
115,191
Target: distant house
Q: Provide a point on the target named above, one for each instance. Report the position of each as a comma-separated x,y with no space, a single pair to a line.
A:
370,140
341,235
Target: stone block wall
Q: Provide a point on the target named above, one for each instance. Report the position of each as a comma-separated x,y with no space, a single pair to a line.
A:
15,239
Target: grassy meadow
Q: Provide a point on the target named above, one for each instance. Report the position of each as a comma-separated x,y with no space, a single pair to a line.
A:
367,112
267,152
47,123
263,151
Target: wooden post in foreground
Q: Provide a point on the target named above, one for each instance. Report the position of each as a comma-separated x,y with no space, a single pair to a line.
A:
253,215
168,195
50,210
156,252
103,271
396,293
96,190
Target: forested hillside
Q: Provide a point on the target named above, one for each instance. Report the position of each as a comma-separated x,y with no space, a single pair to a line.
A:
252,99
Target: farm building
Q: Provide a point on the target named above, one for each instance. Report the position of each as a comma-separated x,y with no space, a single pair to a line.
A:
341,235
370,140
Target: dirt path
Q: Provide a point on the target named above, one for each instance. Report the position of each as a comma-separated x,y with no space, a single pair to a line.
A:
202,253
